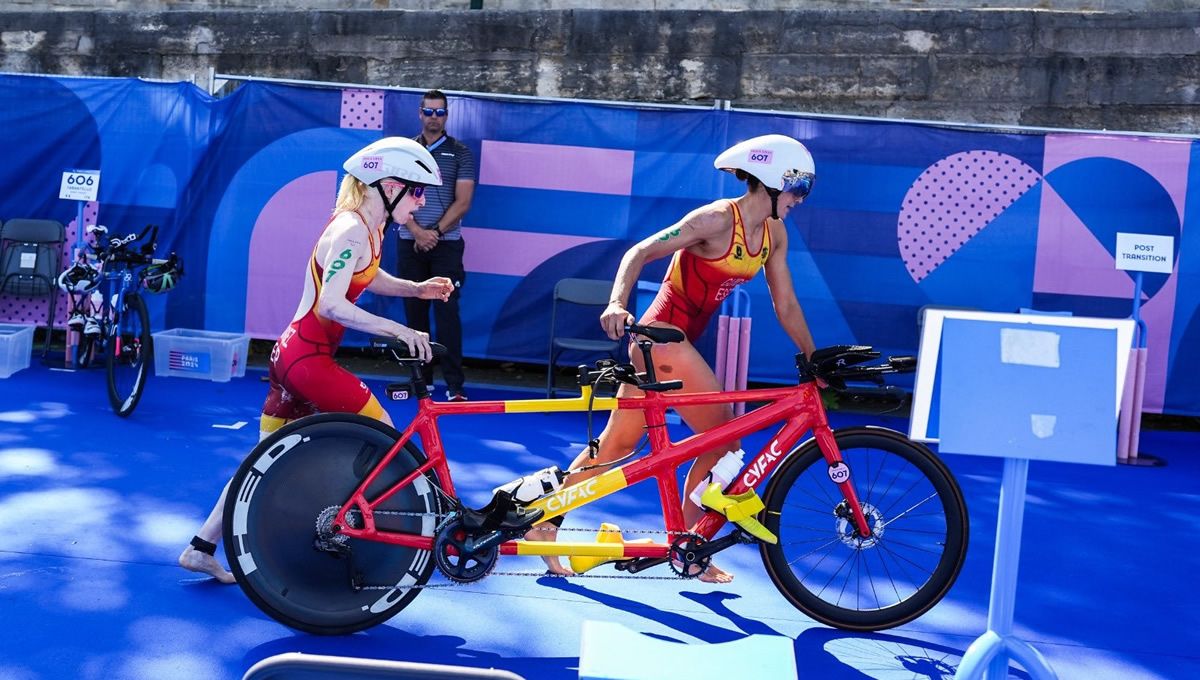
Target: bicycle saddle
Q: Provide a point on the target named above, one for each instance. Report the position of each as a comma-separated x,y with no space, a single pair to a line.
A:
657,333
829,359
401,349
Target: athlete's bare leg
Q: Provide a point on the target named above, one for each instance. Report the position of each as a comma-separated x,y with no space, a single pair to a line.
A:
620,435
210,532
673,361
194,560
681,361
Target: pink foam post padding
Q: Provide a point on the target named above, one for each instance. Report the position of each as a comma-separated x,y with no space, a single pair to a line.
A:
729,374
1126,418
743,360
722,348
1135,430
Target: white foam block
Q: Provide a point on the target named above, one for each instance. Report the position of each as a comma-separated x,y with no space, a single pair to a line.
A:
610,651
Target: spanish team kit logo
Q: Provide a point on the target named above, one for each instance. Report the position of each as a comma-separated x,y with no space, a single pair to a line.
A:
727,287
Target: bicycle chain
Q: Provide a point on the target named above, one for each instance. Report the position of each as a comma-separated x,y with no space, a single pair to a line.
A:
542,574
439,519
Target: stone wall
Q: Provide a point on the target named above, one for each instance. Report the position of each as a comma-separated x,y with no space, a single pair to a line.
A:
775,5
1099,70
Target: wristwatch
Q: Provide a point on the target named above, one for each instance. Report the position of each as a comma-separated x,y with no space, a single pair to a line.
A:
437,226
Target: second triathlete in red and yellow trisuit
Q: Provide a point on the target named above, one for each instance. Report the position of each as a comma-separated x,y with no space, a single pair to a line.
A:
714,248
695,286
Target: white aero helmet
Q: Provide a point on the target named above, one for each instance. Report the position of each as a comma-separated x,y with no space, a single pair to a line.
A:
781,163
399,158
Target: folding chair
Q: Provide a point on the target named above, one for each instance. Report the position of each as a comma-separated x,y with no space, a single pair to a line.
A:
31,254
581,293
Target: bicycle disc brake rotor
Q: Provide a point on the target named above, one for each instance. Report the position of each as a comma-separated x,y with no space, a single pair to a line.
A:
684,559
454,560
848,533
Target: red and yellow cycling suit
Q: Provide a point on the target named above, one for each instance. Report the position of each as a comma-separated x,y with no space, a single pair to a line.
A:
304,379
695,286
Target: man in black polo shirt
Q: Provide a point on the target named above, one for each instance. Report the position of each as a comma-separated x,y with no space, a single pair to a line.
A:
432,243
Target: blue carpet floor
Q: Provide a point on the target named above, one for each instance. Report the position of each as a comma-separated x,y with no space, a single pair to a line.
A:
95,509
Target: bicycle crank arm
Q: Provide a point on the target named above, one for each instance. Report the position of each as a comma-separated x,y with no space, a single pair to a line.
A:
707,550
640,564
476,543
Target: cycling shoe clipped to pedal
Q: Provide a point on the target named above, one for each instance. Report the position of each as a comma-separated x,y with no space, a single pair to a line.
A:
466,545
502,513
739,509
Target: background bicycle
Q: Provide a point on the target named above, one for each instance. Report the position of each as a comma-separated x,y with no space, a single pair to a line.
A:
105,285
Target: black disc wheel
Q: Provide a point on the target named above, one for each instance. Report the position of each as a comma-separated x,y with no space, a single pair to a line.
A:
283,548
128,355
918,531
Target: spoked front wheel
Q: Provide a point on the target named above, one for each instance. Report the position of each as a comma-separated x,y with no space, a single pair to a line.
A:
279,536
128,353
915,549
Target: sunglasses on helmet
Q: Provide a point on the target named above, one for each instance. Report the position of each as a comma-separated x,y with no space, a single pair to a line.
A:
439,112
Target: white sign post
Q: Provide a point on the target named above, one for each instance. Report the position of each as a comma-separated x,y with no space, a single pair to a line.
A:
80,186
1021,387
1145,253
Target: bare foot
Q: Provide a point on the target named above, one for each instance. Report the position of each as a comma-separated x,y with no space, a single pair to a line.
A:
194,560
548,532
715,574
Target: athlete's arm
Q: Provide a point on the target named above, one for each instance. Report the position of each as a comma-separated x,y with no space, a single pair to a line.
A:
348,251
695,229
783,295
436,288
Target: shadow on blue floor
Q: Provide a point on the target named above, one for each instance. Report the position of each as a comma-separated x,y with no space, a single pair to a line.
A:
94,511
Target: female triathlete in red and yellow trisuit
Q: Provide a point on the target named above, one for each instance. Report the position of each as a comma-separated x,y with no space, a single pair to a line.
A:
384,182
714,249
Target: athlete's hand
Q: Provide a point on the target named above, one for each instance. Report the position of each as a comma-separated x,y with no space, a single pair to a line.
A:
436,288
417,342
614,320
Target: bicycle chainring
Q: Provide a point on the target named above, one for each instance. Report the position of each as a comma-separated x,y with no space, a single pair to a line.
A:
684,560
453,559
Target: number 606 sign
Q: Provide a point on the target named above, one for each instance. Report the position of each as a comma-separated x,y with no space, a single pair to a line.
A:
80,185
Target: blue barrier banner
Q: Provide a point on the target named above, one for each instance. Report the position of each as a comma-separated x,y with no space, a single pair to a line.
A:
902,215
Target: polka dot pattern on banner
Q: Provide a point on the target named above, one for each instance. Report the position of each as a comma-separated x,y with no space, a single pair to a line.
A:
952,201
362,109
32,310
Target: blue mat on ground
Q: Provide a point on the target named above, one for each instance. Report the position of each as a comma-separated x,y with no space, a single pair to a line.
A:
94,510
